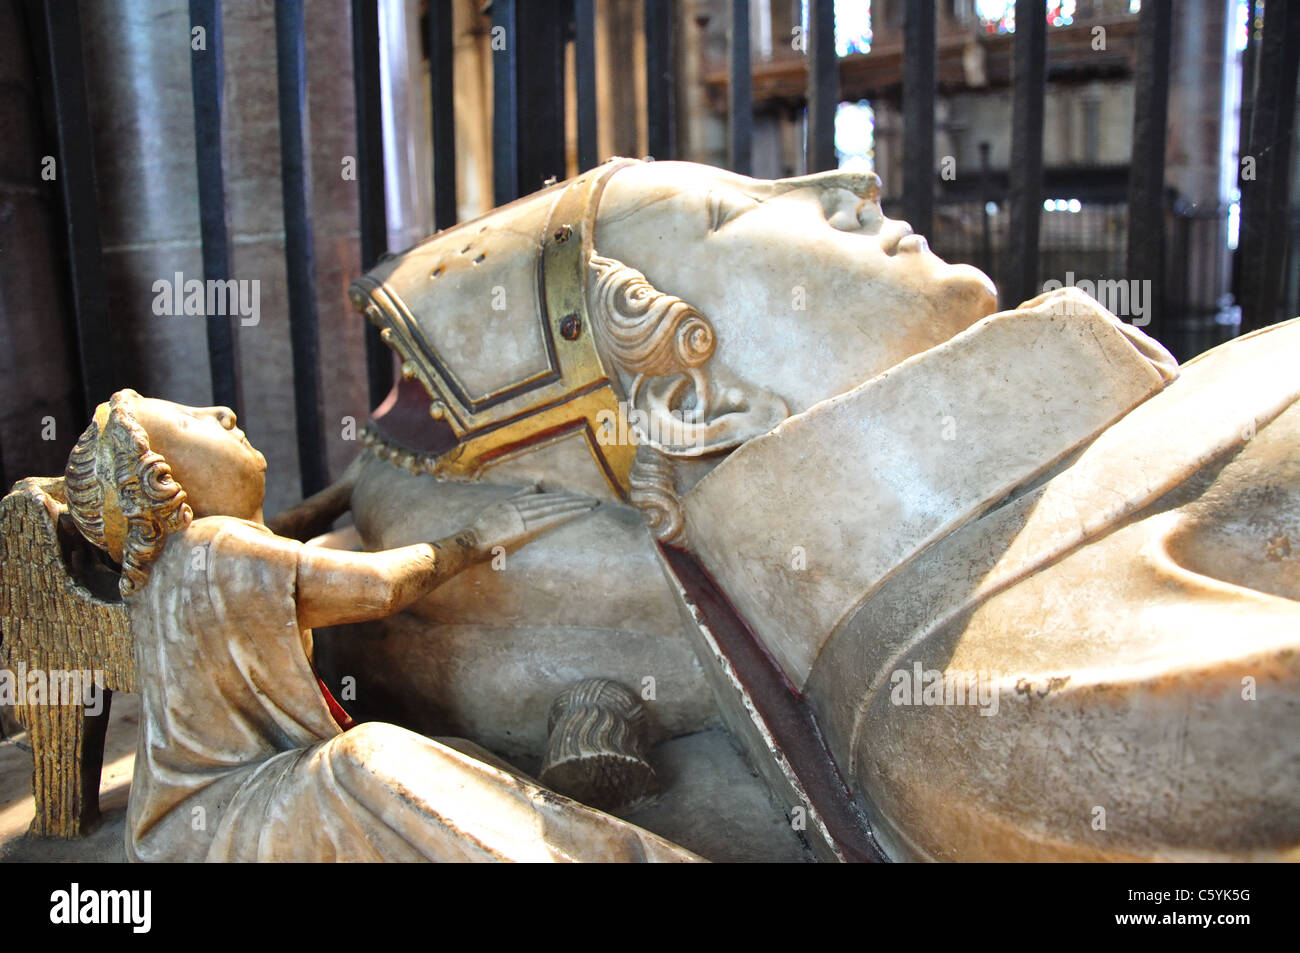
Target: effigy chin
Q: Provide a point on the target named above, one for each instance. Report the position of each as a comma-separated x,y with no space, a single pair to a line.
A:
962,585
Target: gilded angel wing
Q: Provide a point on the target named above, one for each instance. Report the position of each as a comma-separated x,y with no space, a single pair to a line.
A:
52,625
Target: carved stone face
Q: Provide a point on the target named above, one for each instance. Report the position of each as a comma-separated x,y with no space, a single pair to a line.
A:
220,471
811,289
751,299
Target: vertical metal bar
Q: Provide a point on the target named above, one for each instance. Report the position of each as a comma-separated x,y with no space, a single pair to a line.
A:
1146,177
920,86
442,105
1180,296
1249,79
299,253
740,93
660,92
207,76
1249,82
1263,244
370,177
528,115
584,65
986,235
1029,82
100,375
823,86
543,28
505,101
1091,129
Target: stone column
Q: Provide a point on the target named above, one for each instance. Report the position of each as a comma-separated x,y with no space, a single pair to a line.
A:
1195,154
1198,68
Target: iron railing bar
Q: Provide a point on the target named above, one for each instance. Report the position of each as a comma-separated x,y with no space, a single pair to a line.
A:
920,78
442,105
540,94
100,375
660,97
823,86
207,78
740,93
299,253
366,83
1249,81
584,66
986,234
1146,183
505,102
1029,81
1265,200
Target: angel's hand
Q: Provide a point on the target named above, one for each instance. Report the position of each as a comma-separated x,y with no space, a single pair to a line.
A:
518,519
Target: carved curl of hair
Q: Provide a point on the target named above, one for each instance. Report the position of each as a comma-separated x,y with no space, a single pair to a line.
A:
653,491
595,715
152,502
647,332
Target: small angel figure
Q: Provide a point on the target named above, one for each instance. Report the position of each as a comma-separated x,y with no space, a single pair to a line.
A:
242,756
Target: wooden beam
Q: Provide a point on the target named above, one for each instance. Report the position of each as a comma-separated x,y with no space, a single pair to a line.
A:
782,82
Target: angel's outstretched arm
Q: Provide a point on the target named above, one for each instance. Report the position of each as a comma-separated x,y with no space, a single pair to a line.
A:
337,587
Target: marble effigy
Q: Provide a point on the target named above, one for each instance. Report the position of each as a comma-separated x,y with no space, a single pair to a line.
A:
676,453
1031,583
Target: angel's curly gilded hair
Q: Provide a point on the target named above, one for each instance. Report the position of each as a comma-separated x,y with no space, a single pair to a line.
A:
116,465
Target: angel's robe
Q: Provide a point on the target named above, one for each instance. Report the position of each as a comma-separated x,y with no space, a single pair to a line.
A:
240,759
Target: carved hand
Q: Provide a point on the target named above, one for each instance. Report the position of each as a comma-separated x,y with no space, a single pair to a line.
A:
514,521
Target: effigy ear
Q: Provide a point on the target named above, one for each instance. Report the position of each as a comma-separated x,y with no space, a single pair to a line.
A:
682,401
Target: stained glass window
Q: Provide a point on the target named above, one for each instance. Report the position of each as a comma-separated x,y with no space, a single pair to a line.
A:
852,25
855,136
1244,26
999,16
